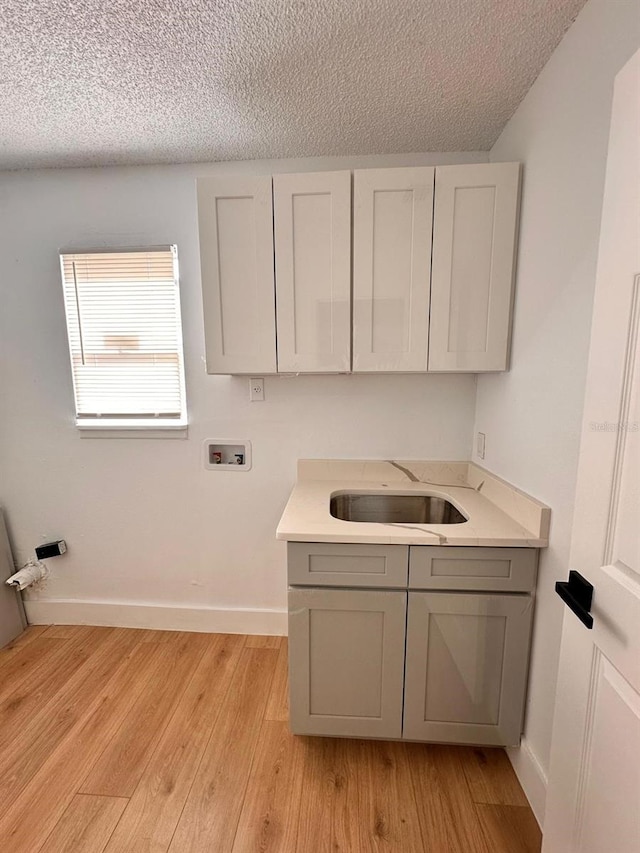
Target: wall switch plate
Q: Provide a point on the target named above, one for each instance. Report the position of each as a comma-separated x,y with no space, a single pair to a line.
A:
256,390
480,440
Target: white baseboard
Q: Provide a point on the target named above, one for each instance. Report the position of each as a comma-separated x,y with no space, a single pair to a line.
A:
161,617
531,776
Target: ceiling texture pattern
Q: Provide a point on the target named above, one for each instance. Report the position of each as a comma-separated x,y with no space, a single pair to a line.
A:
97,82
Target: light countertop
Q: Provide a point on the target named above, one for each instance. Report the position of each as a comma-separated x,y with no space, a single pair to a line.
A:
499,515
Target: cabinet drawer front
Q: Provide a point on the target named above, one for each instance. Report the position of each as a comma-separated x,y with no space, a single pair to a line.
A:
491,569
346,662
466,667
331,564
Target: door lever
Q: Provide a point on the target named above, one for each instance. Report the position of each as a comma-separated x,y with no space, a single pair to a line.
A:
577,593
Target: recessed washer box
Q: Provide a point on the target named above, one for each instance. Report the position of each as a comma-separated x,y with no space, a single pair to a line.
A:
227,454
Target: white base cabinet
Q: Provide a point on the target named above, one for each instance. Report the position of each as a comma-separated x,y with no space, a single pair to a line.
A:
424,665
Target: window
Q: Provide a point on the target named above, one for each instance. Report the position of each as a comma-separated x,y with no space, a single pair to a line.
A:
125,337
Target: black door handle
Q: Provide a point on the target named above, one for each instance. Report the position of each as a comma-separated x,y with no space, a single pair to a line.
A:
577,593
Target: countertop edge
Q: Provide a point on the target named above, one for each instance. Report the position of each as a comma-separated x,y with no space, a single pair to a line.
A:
407,539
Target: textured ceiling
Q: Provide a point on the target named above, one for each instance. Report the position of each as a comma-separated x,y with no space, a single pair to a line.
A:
86,82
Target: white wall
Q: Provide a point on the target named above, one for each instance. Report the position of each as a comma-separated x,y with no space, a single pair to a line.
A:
145,523
532,415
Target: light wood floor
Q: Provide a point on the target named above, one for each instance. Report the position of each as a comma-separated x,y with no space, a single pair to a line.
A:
122,741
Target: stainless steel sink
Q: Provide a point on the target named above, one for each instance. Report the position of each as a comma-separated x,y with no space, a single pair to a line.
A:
395,509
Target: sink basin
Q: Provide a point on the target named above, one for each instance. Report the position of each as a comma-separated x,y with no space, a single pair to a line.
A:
395,509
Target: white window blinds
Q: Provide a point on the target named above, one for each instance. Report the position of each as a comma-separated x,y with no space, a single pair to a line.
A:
125,337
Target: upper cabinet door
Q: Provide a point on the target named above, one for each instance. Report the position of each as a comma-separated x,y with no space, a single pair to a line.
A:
393,215
235,216
474,239
313,271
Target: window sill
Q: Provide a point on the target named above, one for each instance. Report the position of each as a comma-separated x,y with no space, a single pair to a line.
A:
124,428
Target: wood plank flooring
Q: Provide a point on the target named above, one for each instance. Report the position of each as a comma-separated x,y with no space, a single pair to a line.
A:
115,740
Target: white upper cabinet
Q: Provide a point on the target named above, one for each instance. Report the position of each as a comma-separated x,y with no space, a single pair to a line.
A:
393,215
312,216
235,217
474,236
433,264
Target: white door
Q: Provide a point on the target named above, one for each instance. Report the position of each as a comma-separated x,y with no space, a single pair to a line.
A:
312,215
392,219
235,225
474,237
593,801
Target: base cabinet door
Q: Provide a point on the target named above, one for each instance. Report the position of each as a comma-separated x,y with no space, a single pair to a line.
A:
346,662
466,667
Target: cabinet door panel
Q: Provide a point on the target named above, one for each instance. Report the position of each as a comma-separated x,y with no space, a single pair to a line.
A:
313,271
393,214
466,670
235,223
474,238
346,662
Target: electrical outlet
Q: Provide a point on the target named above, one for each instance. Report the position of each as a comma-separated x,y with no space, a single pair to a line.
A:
51,549
480,440
256,390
